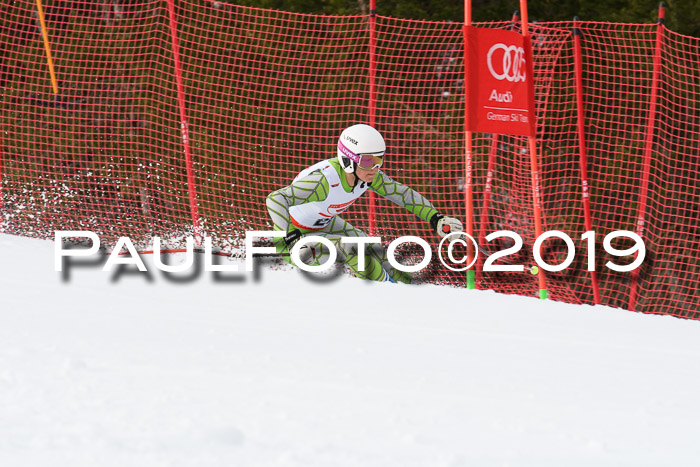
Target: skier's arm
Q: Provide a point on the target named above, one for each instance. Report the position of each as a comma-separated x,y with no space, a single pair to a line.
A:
313,187
401,195
414,202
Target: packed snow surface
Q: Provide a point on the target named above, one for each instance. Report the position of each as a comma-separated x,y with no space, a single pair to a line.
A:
102,369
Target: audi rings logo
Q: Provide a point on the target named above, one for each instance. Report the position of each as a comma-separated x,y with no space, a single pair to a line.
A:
512,66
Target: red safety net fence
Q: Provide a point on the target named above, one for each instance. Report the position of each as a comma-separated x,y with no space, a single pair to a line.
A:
170,114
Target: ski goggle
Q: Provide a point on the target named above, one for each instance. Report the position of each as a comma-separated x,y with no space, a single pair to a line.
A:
364,161
370,161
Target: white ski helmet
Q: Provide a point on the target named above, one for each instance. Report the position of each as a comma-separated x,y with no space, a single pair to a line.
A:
357,141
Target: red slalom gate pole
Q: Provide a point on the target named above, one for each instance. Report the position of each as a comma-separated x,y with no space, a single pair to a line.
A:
471,275
489,178
184,128
372,100
534,171
583,157
487,198
646,168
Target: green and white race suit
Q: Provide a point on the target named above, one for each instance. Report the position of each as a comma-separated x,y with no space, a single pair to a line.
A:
316,197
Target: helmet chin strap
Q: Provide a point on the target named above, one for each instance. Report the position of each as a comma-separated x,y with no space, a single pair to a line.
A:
354,174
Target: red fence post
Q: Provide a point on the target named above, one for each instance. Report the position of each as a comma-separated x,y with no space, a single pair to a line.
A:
184,129
646,168
583,157
372,99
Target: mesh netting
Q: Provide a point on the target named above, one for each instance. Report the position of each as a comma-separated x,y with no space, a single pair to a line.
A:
266,93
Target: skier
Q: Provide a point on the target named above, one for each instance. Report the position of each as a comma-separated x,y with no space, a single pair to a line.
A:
316,197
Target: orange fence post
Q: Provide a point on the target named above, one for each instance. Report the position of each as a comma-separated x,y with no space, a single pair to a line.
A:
47,46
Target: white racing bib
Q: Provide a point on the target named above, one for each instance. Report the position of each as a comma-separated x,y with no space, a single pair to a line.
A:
318,214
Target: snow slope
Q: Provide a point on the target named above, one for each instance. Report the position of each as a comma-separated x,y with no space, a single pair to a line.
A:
98,370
